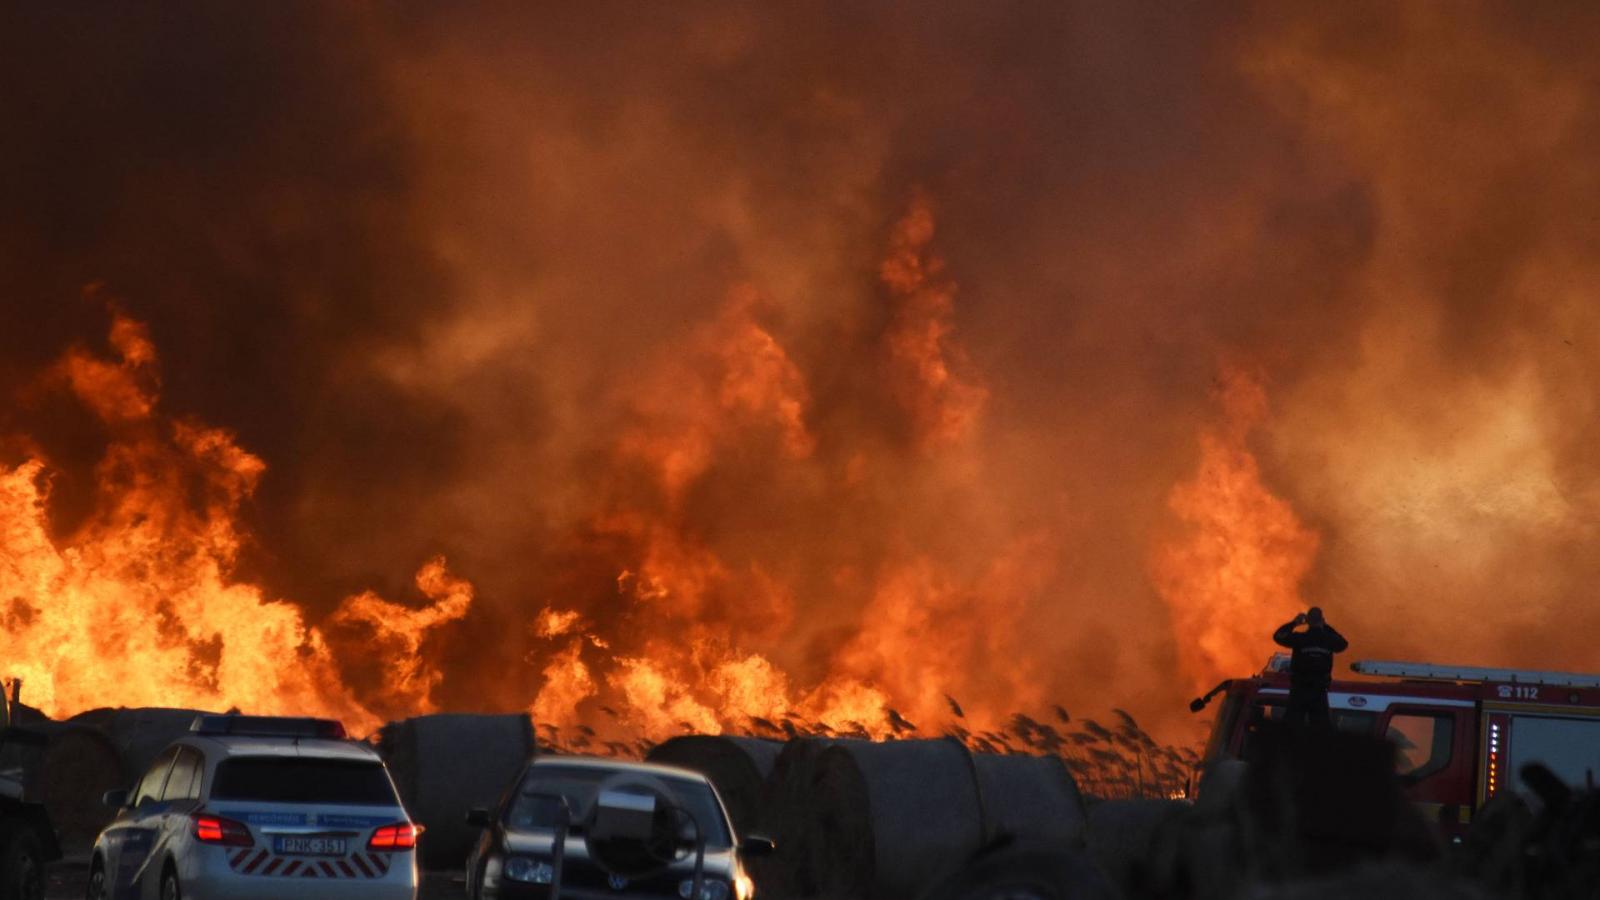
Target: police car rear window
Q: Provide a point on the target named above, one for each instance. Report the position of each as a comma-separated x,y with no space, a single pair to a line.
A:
276,779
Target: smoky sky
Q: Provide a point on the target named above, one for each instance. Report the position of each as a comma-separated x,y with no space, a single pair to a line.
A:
425,260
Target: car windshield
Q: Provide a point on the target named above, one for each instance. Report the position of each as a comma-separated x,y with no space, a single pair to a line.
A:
279,779
534,806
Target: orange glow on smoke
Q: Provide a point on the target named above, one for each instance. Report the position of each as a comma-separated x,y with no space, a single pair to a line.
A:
141,605
925,360
732,385
1236,573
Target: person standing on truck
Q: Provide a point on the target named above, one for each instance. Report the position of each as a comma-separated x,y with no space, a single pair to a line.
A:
1310,666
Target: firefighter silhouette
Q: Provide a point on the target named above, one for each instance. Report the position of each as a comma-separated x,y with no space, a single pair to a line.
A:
1310,667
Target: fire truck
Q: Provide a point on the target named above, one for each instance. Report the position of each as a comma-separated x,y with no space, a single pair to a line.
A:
1461,733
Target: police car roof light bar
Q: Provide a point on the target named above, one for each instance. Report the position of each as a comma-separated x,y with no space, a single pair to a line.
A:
269,726
1430,672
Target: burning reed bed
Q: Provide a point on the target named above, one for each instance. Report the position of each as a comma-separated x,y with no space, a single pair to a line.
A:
1121,761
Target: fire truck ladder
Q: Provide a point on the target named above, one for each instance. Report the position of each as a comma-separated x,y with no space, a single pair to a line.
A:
1430,672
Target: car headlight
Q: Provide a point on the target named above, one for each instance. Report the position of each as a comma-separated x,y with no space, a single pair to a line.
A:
531,871
709,890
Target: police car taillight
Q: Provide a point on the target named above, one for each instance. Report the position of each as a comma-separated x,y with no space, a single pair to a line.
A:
220,831
399,836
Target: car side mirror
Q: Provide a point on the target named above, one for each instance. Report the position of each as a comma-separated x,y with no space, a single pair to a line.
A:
479,817
758,845
116,799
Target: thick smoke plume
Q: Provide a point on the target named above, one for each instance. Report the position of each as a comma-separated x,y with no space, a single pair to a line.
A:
753,366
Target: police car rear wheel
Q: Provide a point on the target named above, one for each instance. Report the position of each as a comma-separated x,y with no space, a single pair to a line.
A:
169,886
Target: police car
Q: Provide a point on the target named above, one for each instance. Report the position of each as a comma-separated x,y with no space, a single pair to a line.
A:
258,808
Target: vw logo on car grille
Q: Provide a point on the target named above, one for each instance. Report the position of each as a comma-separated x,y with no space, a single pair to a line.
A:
617,882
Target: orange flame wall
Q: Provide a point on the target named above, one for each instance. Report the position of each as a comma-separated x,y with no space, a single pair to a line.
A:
720,367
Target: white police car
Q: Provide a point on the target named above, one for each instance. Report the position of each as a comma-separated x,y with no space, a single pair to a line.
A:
258,808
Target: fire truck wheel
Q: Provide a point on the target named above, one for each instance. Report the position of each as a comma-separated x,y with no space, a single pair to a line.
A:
21,867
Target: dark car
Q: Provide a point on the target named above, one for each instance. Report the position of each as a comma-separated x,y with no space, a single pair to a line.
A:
513,858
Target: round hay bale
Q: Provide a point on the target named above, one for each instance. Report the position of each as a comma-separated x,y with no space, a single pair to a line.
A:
140,734
445,765
1045,872
893,817
787,818
738,766
1120,836
1198,855
78,766
1030,797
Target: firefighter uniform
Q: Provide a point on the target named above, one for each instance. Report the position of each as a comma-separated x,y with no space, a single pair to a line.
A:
1310,669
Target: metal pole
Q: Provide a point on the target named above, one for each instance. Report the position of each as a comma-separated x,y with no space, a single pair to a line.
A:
563,825
699,859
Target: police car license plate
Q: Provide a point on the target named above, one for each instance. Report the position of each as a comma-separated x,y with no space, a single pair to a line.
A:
310,846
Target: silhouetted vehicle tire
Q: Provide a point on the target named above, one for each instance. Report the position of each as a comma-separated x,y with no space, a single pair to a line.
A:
169,886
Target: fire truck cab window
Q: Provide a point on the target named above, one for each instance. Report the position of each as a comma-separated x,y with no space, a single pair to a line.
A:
1422,742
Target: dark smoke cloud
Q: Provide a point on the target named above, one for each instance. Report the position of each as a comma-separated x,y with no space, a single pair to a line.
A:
426,262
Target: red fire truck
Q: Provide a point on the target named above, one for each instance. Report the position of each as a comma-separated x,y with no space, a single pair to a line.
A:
1462,733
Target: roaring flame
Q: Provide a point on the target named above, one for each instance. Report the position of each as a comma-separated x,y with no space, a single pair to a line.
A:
141,604
394,632
1236,573
692,647
552,623
567,683
647,341
138,605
